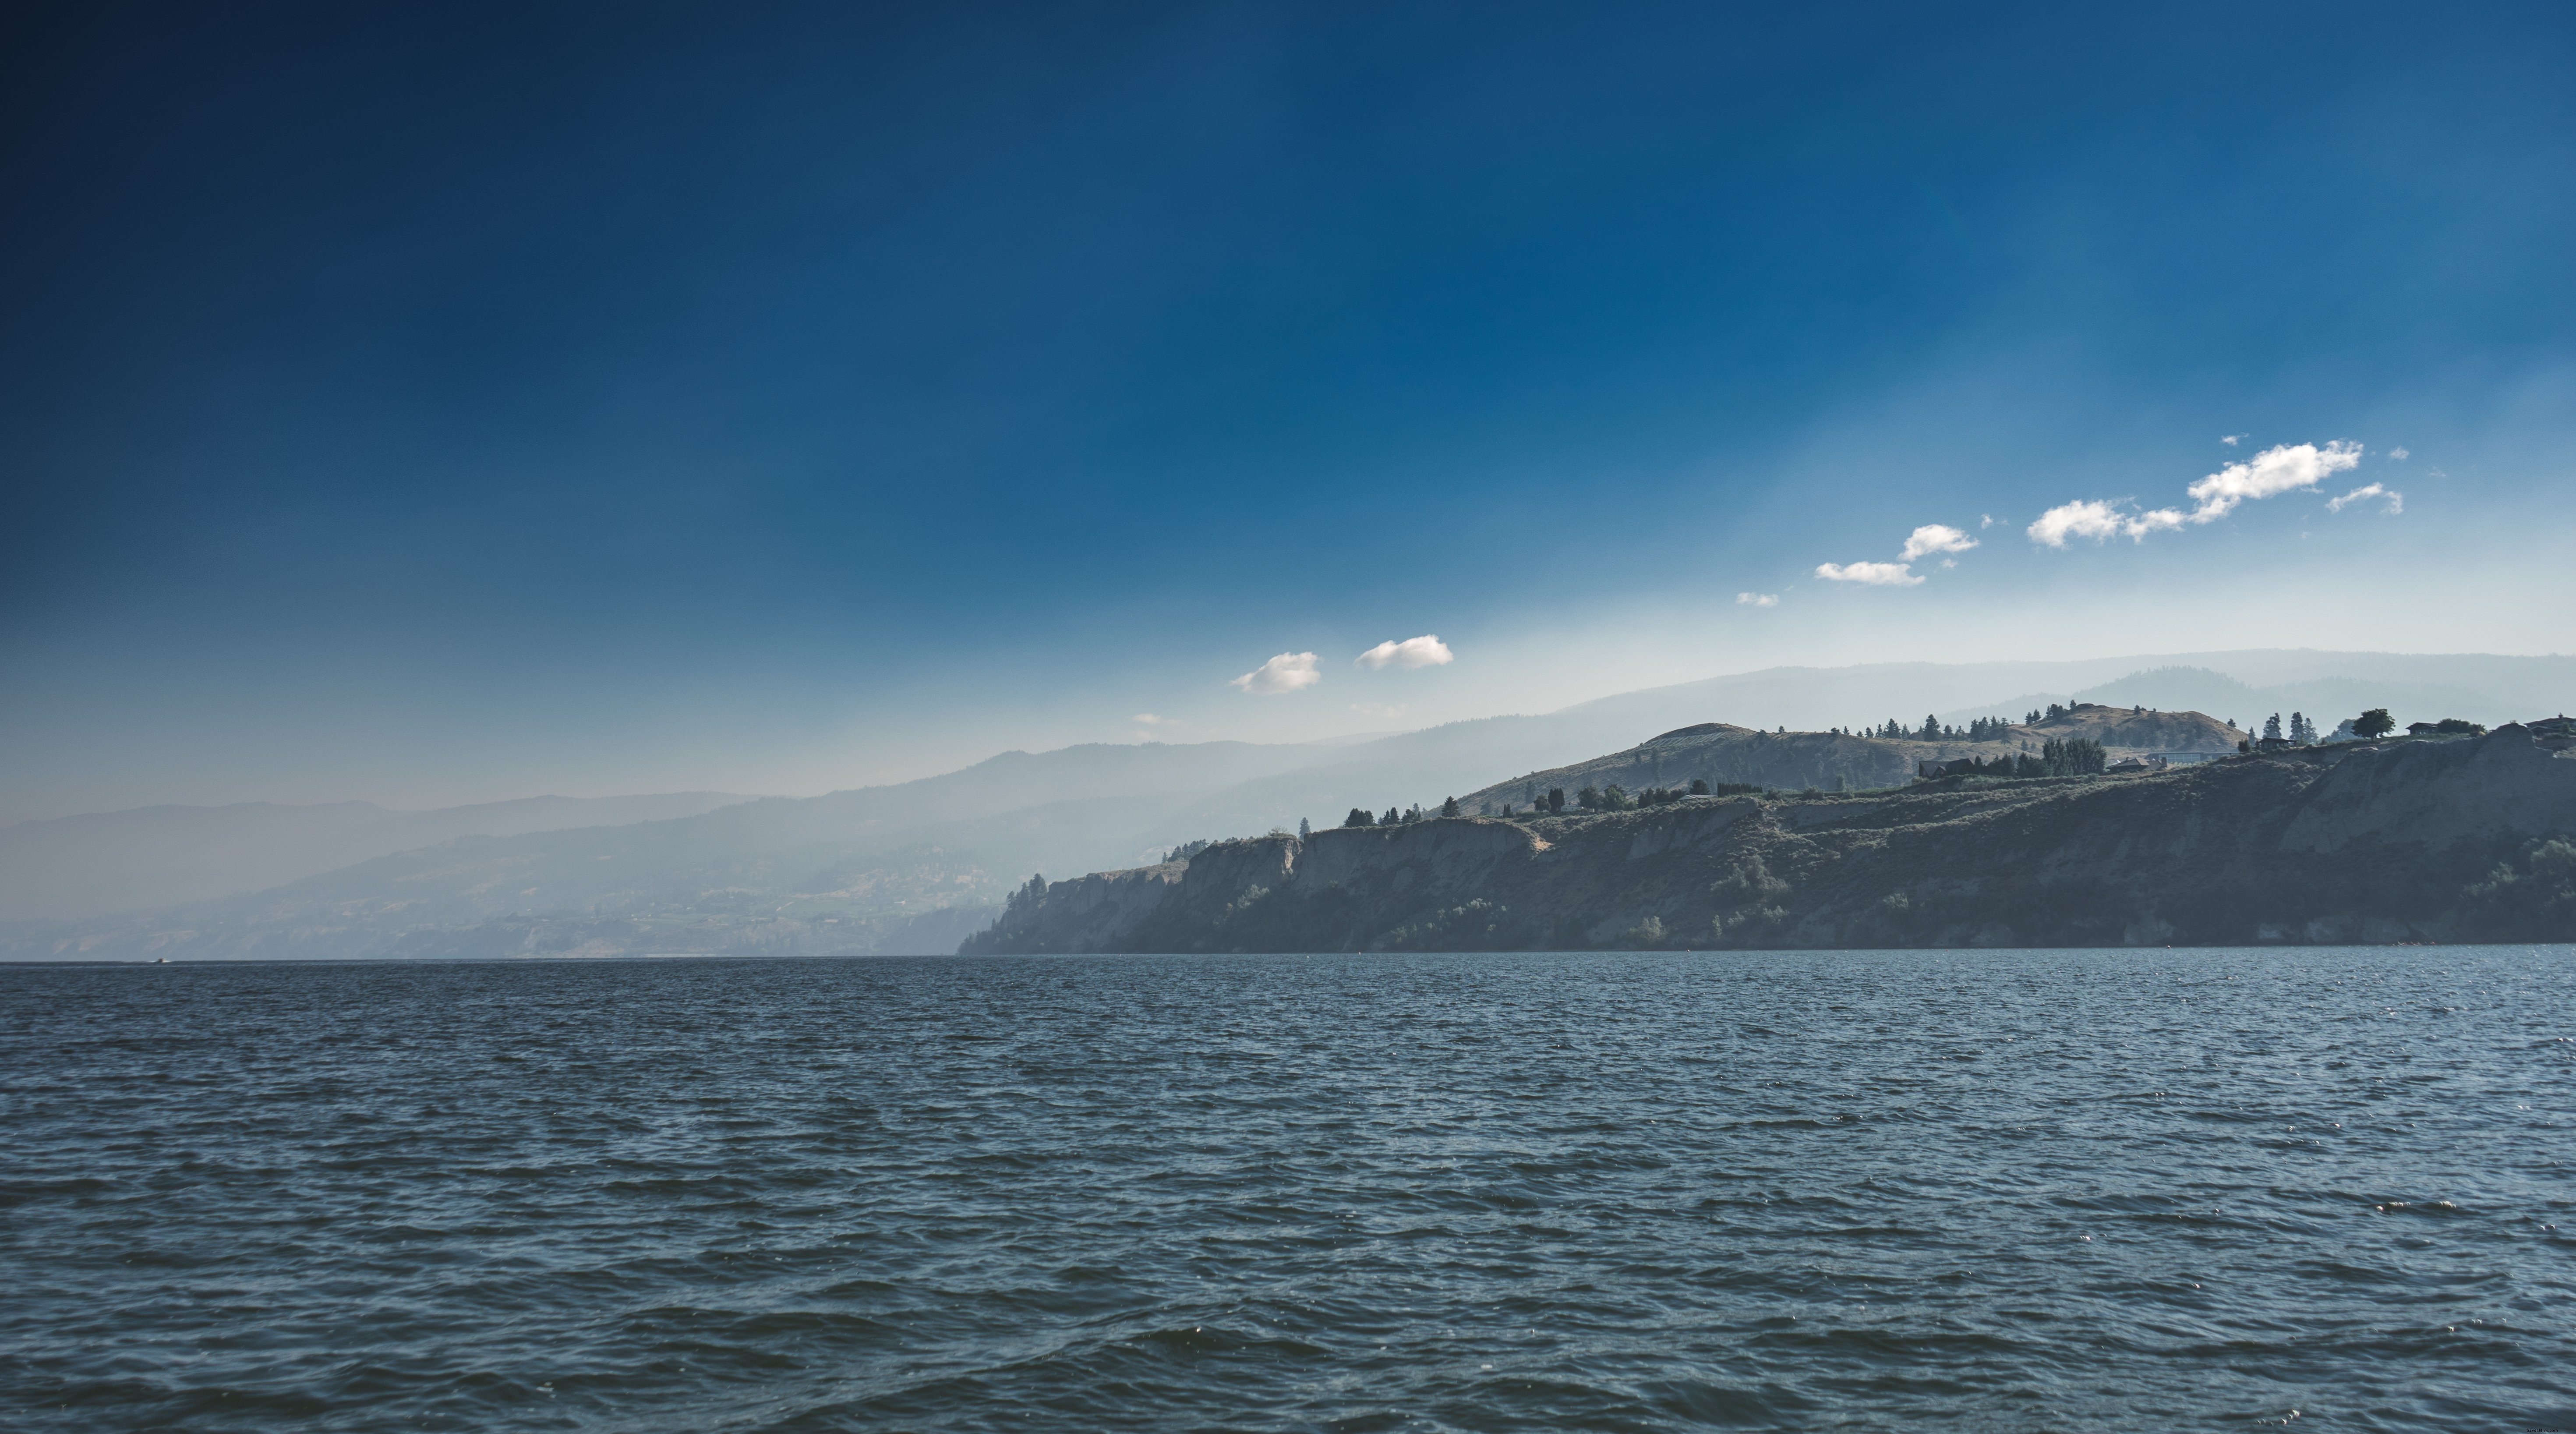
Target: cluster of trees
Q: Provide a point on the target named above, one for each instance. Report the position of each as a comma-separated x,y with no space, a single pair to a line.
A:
1551,804
2302,733
2056,757
2370,726
1395,817
1024,900
1360,816
1612,799
1979,729
1188,849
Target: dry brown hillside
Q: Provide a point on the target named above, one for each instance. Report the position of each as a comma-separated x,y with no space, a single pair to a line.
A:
2136,729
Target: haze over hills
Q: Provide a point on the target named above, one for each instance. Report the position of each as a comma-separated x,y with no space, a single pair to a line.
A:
911,867
72,867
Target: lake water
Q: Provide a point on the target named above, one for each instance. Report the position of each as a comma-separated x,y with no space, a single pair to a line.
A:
1986,1191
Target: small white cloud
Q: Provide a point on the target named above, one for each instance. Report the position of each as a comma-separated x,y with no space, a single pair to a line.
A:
1148,719
1935,538
2400,454
1758,599
1287,672
2366,492
2269,473
1886,575
1423,651
2232,439
2098,520
1986,521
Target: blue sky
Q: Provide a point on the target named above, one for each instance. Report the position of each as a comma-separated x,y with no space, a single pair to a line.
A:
463,404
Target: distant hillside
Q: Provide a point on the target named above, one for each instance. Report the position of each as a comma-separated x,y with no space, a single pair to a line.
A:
2400,841
74,867
2135,729
1719,753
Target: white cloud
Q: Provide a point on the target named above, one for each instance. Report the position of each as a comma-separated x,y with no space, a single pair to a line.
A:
2366,492
2400,454
1935,538
1886,575
1287,672
2232,439
1985,521
2267,474
2271,472
2098,520
1150,720
1423,651
1758,599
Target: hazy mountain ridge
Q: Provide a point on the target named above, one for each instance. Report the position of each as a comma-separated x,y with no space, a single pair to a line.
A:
873,866
73,867
2410,840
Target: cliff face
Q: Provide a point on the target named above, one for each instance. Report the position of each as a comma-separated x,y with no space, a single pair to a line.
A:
2471,839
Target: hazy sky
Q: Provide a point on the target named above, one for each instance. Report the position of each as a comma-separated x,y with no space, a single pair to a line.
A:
443,405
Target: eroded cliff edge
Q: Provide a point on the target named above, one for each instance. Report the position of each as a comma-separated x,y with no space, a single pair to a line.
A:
2407,841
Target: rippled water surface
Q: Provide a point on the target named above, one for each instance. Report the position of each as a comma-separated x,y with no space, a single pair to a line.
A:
2020,1190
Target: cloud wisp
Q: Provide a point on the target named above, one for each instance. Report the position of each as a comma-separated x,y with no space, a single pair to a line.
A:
1885,575
1930,540
2363,494
2290,467
1287,672
1758,599
2272,472
2096,519
1424,651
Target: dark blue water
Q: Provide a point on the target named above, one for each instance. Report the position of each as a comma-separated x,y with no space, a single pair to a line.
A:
1991,1191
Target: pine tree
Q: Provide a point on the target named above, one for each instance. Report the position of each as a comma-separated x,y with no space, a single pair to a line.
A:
2272,728
1303,831
1359,817
1024,899
1555,800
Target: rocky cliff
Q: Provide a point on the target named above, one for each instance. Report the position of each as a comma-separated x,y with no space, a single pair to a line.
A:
2402,841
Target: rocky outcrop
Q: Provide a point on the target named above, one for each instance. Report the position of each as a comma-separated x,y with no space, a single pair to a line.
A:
2402,841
